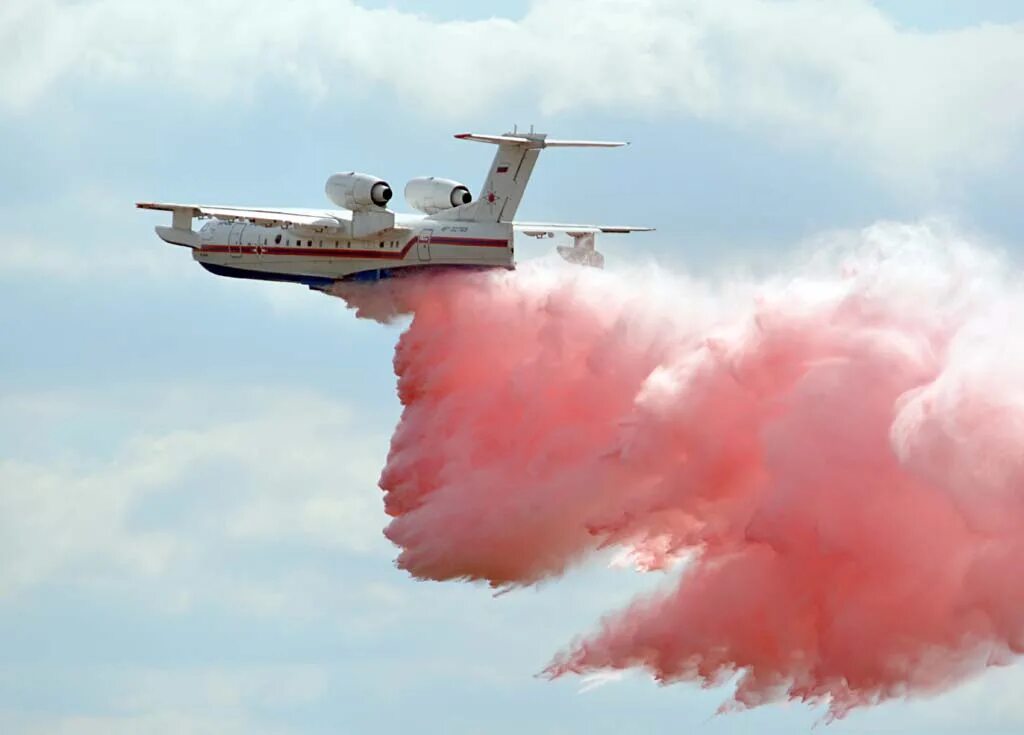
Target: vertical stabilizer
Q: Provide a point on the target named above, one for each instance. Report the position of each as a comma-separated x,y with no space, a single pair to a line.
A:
509,174
506,180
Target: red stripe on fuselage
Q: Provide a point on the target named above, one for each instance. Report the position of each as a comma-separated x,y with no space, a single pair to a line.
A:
470,242
348,252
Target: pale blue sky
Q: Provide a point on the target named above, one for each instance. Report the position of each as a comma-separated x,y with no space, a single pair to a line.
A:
191,527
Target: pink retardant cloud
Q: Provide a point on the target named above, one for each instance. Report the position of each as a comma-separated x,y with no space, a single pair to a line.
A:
838,454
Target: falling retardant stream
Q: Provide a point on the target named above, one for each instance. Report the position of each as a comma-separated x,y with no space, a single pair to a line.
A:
830,460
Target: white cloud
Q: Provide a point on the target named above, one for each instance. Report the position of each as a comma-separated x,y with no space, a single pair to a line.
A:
197,700
842,74
25,256
282,685
271,467
590,682
56,239
181,722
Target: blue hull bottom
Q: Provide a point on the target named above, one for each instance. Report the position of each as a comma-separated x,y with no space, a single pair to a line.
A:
321,282
229,272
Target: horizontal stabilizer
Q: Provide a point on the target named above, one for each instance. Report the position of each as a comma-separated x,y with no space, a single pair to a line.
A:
496,139
538,141
546,229
584,143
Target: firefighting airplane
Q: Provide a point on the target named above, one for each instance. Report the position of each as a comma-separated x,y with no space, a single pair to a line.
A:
365,241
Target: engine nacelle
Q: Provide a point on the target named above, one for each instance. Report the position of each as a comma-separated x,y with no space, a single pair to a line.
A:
431,195
358,191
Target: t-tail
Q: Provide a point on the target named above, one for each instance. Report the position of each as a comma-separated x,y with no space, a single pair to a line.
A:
509,174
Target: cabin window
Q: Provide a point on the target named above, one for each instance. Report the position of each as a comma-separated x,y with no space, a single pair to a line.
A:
277,240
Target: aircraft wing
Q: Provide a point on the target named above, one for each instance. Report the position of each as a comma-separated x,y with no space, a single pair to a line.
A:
270,217
540,229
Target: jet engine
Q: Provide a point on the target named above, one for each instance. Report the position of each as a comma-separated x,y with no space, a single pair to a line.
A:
431,195
358,192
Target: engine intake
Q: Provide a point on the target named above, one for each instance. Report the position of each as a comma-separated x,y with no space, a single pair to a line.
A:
358,191
431,195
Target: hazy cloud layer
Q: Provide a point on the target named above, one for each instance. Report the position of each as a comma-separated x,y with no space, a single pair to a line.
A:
177,507
164,506
196,701
842,74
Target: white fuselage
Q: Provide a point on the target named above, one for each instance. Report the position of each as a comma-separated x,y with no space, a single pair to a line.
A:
318,256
